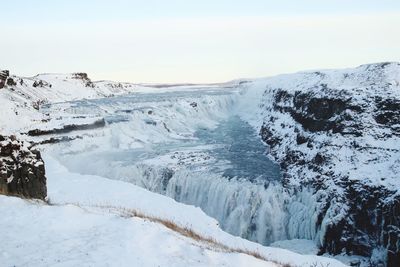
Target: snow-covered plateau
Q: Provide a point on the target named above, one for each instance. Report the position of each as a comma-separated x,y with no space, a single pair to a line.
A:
233,174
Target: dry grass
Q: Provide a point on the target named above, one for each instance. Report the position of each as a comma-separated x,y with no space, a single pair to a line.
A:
209,242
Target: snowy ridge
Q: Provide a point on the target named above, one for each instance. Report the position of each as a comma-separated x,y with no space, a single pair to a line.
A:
22,98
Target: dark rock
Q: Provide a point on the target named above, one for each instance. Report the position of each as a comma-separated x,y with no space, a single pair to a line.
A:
55,140
36,104
319,159
268,136
193,105
68,128
4,74
3,77
10,82
22,171
314,113
367,215
318,113
292,157
41,83
387,111
301,139
84,77
80,75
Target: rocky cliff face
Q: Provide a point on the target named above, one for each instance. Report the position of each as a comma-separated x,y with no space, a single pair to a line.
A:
22,171
338,132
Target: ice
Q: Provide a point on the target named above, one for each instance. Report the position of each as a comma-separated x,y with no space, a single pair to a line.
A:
200,154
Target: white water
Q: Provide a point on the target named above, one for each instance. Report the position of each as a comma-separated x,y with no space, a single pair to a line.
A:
202,155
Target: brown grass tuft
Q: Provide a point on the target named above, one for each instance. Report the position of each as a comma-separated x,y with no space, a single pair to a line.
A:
211,243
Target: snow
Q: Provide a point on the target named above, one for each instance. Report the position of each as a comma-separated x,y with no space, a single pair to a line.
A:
301,246
40,235
136,152
155,117
379,161
85,225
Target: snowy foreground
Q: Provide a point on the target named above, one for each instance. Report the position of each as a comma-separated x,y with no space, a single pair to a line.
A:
88,224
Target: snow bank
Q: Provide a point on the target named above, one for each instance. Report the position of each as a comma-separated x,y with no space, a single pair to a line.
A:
92,191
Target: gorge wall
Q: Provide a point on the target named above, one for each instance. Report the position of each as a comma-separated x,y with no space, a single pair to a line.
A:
337,132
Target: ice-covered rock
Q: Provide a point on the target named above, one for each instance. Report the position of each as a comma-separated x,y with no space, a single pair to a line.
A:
3,77
22,171
337,132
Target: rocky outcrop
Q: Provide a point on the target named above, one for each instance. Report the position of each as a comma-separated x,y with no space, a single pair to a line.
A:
338,133
22,171
41,83
84,77
68,128
3,77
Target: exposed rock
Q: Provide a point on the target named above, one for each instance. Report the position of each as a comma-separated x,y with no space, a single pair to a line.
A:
3,77
301,139
388,112
80,75
22,171
41,83
4,74
316,113
36,104
68,128
84,77
10,82
344,130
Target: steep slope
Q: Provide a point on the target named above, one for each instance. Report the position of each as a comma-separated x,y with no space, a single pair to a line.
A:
337,133
22,170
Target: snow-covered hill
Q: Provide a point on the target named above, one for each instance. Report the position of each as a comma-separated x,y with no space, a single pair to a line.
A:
21,97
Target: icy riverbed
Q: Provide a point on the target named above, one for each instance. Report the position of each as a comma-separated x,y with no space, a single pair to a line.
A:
195,148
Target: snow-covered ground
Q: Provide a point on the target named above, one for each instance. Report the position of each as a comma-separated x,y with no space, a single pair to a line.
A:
88,224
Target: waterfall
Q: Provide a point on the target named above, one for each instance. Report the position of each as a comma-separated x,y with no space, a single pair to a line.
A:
264,213
140,150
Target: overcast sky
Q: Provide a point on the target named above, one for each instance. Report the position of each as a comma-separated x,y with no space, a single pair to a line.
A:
193,40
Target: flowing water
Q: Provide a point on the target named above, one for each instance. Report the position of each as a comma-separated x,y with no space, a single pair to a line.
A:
195,148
